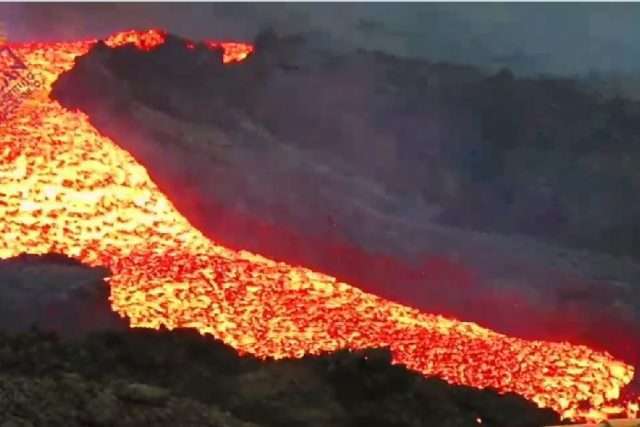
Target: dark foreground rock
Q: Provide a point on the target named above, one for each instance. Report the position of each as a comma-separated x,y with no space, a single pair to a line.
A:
55,292
159,378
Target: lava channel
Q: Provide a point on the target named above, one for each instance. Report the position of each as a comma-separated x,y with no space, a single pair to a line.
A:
66,188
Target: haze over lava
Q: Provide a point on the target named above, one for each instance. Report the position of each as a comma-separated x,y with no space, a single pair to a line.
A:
66,188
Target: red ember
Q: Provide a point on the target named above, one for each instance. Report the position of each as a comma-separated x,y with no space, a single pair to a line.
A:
66,188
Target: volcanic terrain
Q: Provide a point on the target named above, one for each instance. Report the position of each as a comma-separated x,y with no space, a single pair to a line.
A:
66,187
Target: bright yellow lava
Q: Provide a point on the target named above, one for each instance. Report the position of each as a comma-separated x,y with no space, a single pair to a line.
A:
65,188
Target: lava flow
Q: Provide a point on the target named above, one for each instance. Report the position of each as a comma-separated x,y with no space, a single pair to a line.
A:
65,188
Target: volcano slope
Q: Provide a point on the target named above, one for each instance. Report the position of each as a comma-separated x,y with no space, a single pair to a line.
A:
367,167
68,188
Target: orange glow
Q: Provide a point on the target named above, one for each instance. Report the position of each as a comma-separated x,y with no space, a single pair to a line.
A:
233,52
66,188
144,40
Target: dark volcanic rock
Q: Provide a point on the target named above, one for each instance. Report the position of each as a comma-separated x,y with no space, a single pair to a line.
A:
539,157
142,393
144,377
55,293
382,170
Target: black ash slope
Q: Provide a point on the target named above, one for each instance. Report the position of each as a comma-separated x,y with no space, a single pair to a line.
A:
541,157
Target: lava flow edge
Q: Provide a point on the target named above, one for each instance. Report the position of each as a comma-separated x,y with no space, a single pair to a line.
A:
66,188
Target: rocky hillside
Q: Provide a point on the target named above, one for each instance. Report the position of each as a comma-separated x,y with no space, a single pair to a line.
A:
509,202
540,157
150,378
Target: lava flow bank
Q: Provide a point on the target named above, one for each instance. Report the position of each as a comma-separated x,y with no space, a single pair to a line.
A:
66,188
366,196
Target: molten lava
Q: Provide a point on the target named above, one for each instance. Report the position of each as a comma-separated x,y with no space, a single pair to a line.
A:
65,188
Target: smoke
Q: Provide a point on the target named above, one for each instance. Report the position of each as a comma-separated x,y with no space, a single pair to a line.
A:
529,38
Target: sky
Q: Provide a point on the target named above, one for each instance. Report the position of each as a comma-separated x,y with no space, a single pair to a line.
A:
530,38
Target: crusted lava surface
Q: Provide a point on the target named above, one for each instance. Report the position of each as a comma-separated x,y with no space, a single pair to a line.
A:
147,377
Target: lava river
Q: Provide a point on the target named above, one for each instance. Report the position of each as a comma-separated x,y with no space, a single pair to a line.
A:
65,188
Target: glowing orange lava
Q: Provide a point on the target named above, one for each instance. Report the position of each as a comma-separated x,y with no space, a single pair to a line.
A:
66,188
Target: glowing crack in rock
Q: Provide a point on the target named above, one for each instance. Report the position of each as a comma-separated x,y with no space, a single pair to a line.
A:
65,188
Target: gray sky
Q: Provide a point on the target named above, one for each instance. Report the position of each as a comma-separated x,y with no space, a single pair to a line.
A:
563,38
